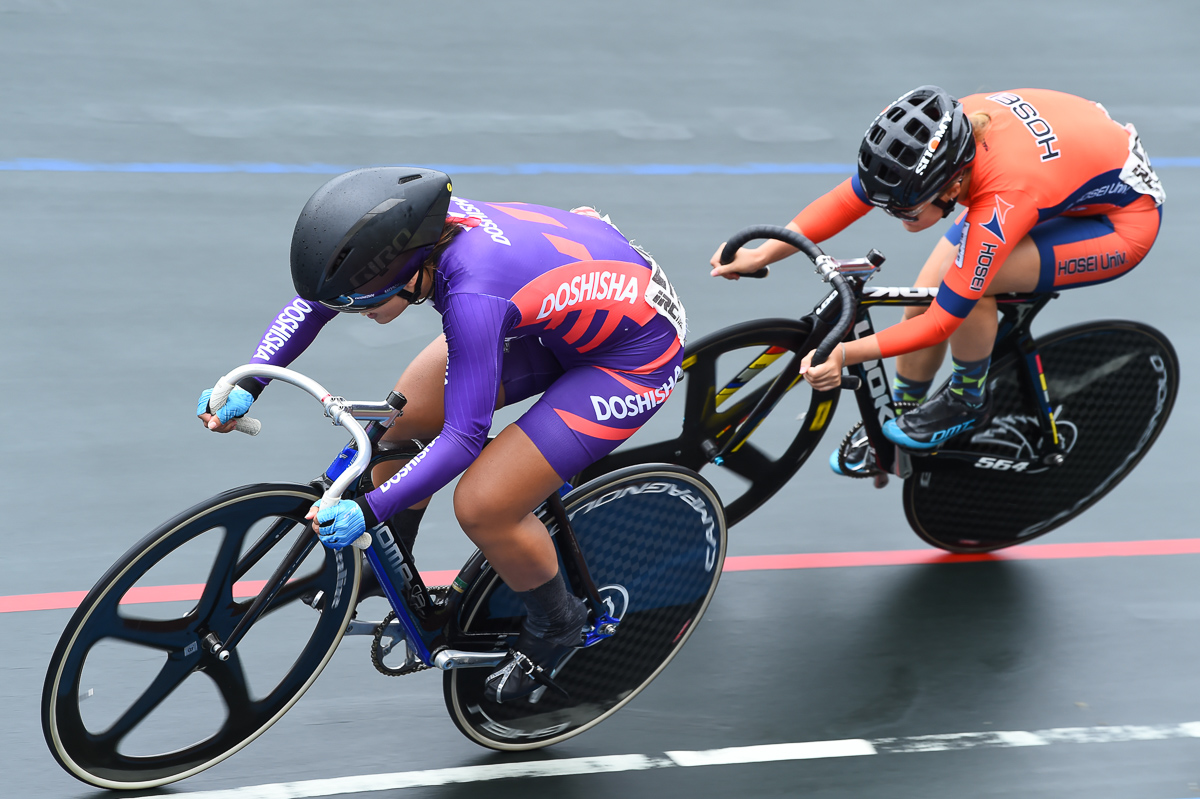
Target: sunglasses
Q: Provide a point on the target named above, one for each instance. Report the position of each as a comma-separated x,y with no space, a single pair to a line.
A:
908,214
356,303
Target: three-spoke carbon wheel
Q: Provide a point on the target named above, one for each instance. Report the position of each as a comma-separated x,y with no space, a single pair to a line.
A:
654,541
134,699
725,375
1112,386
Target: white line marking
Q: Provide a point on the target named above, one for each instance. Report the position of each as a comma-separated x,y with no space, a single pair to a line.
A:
812,750
808,750
420,779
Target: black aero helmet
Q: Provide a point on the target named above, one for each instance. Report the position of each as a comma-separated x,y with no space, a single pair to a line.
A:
355,242
914,149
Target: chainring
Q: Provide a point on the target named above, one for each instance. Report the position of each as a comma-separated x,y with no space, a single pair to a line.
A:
378,652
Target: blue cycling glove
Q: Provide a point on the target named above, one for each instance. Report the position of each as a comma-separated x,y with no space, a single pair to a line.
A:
237,405
341,524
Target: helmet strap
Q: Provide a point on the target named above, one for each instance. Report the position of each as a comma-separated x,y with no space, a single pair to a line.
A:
947,206
414,297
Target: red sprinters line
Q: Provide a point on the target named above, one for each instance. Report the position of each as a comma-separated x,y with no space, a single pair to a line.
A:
65,600
909,557
737,563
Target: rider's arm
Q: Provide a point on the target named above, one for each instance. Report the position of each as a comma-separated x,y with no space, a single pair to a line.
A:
288,335
992,229
475,326
824,217
833,212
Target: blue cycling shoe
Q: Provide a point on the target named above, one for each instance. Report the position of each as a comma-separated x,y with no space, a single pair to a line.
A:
855,457
852,457
937,420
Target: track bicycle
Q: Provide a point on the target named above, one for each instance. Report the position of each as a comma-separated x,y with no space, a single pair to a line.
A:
139,696
1074,411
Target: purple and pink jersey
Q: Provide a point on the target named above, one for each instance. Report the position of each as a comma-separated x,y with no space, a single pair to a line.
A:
539,301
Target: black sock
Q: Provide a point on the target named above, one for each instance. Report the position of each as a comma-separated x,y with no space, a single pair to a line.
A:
404,525
554,613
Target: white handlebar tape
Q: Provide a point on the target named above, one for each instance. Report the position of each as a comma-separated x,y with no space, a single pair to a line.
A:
248,425
220,394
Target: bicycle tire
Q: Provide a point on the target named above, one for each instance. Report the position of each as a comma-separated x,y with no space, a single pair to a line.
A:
1112,383
96,756
654,539
759,474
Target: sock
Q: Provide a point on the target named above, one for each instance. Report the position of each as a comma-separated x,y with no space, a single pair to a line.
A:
404,525
969,379
554,613
907,390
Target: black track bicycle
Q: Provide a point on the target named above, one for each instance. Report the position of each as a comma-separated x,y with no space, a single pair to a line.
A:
1074,411
140,695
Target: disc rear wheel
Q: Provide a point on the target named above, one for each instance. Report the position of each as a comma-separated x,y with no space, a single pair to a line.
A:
654,542
1112,386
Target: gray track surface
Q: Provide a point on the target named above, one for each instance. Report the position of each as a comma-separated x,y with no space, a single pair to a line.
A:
129,293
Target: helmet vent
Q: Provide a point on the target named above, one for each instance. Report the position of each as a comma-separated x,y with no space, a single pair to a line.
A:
933,109
905,156
408,179
876,135
337,261
887,175
917,130
895,113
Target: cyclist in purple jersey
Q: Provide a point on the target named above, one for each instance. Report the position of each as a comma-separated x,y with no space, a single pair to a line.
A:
534,300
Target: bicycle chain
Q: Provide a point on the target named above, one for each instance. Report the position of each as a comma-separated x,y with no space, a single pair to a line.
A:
437,593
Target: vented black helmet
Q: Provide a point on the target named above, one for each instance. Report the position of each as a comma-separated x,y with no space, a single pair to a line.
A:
355,242
914,149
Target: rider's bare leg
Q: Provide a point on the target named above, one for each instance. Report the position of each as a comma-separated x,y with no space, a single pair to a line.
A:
495,510
423,384
922,365
973,339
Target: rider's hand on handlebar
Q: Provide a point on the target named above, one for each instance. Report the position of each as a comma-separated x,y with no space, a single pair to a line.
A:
826,376
745,262
339,525
225,419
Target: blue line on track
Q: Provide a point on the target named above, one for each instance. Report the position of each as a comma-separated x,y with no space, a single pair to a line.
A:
270,168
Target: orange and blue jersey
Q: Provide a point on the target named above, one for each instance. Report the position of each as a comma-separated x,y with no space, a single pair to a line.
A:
1044,156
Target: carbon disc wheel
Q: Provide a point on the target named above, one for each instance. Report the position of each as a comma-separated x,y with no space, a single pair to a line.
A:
1112,385
654,541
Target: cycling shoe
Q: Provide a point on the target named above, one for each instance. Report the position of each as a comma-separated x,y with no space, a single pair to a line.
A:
938,419
531,664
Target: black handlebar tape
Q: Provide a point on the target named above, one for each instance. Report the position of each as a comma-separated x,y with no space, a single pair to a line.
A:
851,383
769,232
761,273
846,296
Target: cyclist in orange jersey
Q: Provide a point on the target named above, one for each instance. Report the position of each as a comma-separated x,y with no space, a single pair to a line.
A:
1057,196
